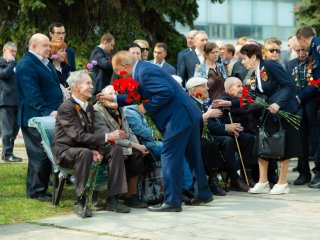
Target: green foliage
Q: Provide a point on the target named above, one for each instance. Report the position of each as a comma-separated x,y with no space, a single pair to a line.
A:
308,14
87,20
16,208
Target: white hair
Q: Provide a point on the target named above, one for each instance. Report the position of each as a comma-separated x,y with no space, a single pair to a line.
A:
76,77
108,89
230,81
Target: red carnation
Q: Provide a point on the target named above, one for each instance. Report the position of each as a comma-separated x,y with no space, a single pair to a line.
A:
198,95
122,73
245,92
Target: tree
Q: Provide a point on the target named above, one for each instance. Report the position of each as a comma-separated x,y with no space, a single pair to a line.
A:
86,21
308,14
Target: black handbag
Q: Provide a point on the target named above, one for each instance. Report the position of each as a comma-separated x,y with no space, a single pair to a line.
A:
271,144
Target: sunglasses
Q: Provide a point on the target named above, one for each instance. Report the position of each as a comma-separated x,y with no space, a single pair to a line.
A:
274,50
144,49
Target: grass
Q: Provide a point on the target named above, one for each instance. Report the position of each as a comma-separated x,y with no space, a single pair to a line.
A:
16,208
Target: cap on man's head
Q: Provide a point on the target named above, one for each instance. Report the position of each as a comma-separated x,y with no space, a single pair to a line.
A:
195,81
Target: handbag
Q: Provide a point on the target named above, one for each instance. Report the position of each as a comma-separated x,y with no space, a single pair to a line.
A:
271,145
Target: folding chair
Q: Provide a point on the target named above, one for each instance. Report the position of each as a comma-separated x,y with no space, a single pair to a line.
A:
46,126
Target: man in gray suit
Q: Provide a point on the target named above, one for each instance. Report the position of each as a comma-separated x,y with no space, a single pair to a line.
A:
189,60
8,102
159,54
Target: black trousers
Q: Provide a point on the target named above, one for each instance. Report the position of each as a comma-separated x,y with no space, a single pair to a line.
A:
309,129
39,166
9,128
228,147
81,159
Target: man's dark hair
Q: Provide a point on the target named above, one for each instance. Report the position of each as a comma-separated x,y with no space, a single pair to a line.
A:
162,45
131,45
250,50
107,37
230,48
306,32
53,25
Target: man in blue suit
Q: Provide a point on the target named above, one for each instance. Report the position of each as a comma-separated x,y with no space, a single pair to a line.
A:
189,60
190,44
159,54
167,104
39,95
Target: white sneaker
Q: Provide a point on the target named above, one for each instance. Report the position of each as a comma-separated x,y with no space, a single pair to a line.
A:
280,189
260,188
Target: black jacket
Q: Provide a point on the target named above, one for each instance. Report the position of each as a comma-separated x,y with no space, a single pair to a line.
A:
8,85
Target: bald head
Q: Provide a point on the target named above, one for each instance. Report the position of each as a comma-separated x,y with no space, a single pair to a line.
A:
40,44
200,39
233,86
123,61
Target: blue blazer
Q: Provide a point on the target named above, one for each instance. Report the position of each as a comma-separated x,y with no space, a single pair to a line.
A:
187,66
38,88
279,88
169,105
169,68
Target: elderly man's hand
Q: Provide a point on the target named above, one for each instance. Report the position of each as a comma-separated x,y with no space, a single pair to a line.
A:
116,135
140,147
53,113
106,96
96,156
211,113
141,109
221,103
234,128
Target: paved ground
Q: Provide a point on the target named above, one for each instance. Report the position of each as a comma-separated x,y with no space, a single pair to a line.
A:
236,216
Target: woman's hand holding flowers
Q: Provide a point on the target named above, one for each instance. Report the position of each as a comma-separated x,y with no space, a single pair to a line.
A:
274,108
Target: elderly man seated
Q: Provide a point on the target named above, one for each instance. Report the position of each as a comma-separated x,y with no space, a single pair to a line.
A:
109,118
198,89
248,116
76,142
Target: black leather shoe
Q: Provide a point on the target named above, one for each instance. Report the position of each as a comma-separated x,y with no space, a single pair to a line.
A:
164,208
11,158
81,211
301,180
239,185
198,201
41,197
315,183
215,187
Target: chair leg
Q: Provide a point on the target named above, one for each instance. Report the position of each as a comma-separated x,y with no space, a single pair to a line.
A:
54,187
59,191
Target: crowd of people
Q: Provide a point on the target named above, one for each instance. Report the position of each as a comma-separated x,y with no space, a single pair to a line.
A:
208,135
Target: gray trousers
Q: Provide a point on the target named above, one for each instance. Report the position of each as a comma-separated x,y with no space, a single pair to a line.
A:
9,128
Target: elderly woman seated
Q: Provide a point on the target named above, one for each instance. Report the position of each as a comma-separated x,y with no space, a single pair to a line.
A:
108,117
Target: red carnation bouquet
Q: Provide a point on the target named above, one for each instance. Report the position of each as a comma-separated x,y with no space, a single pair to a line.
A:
126,85
315,83
247,99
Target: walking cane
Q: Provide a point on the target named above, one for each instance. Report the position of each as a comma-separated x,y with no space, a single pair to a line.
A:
241,159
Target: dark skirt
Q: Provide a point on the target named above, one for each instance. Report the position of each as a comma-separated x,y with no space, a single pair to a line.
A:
292,138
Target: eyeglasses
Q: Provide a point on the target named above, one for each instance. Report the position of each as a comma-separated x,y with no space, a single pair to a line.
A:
274,50
60,33
144,49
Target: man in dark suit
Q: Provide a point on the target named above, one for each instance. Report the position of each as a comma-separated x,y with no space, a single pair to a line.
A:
190,46
57,32
102,72
159,54
8,102
307,37
75,144
39,95
309,126
167,103
189,60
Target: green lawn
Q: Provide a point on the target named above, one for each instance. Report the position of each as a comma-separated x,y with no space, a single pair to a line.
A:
16,208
